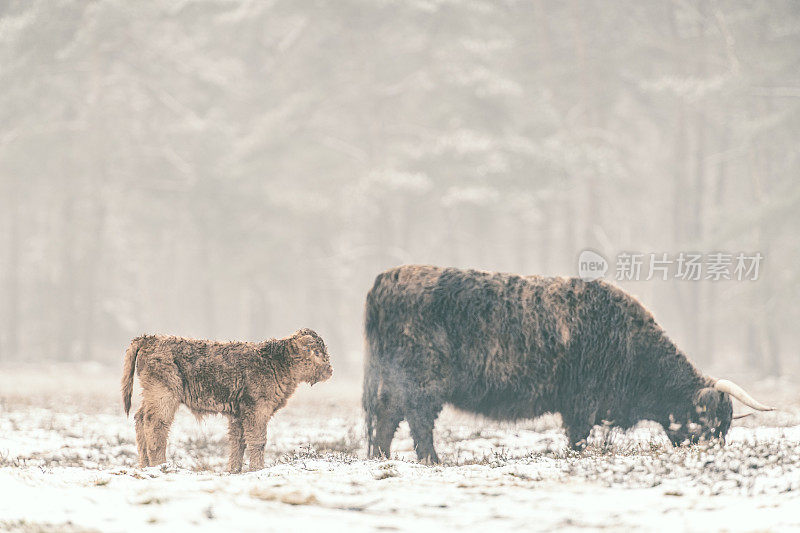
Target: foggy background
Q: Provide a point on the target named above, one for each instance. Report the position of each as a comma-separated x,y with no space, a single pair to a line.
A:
238,170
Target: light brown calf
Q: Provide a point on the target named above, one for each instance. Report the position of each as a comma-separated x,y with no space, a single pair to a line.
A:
245,381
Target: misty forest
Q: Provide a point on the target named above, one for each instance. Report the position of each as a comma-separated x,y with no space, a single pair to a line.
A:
242,170
236,170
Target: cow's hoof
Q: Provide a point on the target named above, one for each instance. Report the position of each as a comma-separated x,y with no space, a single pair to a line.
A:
579,446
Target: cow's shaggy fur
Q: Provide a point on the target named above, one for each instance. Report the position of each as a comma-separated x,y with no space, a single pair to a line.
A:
511,347
246,381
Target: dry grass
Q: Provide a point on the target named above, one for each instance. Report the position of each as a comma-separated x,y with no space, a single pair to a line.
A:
324,424
23,526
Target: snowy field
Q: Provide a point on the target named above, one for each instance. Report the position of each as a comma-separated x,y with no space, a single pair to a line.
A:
68,463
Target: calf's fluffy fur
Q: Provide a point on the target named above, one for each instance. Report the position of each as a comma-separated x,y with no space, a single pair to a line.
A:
245,381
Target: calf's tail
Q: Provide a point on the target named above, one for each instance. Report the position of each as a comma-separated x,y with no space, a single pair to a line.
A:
128,368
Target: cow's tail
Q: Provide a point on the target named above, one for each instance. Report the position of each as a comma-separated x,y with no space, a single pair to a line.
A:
128,368
369,400
372,373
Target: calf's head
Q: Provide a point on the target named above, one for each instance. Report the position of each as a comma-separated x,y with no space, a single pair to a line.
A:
710,414
310,357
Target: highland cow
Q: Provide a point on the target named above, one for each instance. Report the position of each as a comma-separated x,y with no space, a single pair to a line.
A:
511,347
245,381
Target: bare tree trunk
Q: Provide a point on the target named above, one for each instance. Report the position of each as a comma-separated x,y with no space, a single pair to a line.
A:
699,323
258,311
569,250
686,210
543,263
716,193
65,302
96,214
701,339
206,264
545,245
11,347
452,235
679,188
769,336
92,268
592,210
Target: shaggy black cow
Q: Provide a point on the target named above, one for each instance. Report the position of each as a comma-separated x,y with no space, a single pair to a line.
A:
511,347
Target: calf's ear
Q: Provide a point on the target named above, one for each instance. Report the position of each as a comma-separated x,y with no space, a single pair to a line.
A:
303,343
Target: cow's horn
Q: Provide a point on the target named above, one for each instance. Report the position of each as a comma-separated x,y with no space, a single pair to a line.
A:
723,385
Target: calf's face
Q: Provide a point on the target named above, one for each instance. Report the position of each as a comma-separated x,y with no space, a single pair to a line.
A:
312,362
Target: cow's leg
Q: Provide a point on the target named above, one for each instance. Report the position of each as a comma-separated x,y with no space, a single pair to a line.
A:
387,416
159,404
385,428
578,424
236,443
141,440
577,435
254,424
421,419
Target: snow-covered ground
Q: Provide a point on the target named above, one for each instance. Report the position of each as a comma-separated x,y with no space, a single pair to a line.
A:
68,462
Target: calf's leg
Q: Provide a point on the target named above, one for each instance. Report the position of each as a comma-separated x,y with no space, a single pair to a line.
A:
236,442
141,441
254,424
159,406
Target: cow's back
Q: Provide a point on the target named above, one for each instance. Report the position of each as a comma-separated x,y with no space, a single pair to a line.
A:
488,342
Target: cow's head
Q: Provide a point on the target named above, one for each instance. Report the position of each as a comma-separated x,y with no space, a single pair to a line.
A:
311,360
710,414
